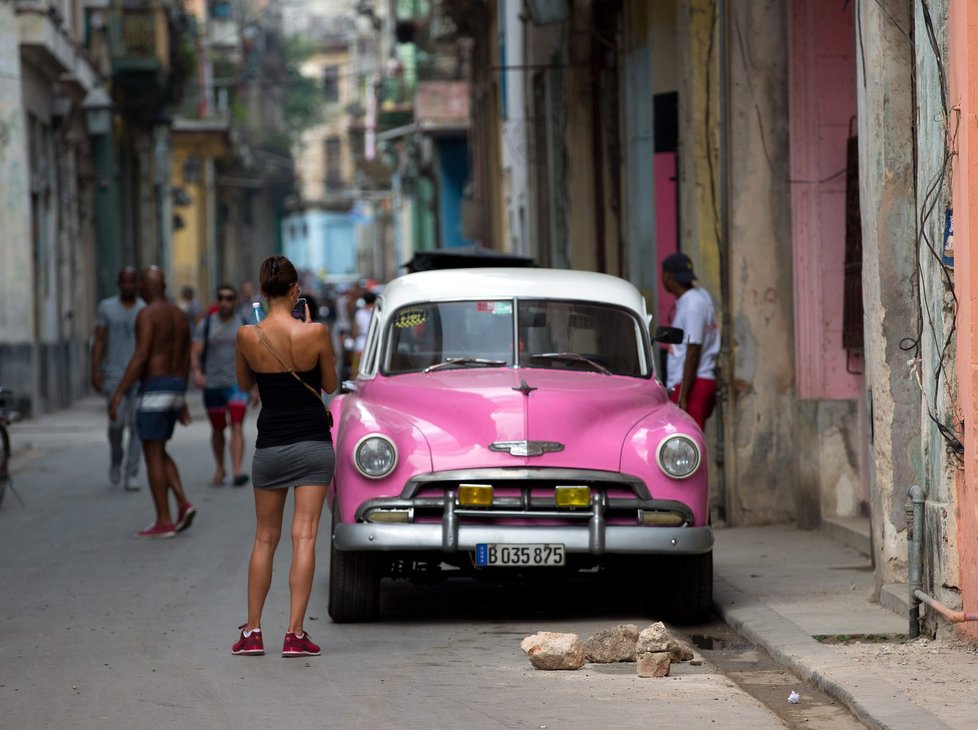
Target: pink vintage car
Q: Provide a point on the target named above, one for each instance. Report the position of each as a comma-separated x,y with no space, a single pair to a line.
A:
510,420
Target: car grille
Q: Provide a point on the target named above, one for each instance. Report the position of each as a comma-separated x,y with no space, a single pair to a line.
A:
524,495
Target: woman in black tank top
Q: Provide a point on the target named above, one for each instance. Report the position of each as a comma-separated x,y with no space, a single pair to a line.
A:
292,363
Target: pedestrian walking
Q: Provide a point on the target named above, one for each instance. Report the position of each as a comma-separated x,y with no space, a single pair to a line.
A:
213,365
691,366
161,361
361,321
189,304
246,300
113,343
291,362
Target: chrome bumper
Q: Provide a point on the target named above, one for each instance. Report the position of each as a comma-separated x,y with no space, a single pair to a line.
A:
614,539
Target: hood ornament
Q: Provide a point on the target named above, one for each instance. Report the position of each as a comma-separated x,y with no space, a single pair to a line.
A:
525,388
526,448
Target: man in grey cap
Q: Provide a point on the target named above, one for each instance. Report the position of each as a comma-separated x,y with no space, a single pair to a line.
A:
691,366
113,344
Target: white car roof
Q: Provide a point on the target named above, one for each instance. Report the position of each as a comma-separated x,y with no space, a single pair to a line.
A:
489,283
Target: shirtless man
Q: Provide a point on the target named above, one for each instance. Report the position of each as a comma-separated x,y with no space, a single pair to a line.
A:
162,362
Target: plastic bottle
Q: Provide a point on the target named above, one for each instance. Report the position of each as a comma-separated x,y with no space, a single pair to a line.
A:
257,313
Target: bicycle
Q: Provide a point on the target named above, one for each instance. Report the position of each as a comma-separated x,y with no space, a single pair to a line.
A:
8,414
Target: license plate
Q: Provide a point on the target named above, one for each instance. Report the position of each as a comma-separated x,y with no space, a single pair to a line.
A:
518,556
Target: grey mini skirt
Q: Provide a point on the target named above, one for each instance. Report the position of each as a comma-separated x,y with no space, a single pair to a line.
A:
307,463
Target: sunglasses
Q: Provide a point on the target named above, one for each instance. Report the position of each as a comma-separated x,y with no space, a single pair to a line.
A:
226,297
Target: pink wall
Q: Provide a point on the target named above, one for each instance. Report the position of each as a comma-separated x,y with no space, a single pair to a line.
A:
964,97
822,102
666,237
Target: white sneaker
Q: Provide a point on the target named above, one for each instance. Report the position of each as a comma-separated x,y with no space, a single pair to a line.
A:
115,473
132,484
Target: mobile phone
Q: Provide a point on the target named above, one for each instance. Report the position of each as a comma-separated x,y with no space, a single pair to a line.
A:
299,310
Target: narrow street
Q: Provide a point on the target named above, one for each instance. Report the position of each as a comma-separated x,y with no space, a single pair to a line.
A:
101,630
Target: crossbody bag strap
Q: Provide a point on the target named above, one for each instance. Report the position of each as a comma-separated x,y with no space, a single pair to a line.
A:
264,340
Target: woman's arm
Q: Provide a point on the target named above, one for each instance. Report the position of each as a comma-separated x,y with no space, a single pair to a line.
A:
327,359
246,376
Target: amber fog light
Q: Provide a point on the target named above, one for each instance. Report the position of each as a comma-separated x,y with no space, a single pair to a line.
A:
389,515
474,495
572,496
661,519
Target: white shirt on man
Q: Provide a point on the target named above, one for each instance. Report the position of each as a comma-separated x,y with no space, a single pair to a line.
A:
697,316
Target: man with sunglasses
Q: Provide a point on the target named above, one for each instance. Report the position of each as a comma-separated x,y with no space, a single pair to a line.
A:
213,363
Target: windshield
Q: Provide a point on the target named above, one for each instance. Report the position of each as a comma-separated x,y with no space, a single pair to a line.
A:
557,335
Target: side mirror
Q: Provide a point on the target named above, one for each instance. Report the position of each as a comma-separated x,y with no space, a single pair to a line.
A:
669,335
348,386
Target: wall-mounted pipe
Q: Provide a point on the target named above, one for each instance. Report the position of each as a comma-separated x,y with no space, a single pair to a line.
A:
914,544
915,547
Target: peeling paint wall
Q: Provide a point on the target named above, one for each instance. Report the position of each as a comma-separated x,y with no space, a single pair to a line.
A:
936,354
764,440
886,119
16,315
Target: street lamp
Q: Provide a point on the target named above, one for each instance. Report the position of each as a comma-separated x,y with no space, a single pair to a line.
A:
98,108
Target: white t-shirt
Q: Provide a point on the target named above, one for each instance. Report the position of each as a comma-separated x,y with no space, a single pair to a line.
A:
697,316
361,319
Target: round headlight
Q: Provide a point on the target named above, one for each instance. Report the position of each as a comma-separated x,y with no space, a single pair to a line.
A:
375,456
678,456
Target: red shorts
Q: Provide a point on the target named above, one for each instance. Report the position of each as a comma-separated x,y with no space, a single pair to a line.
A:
701,400
223,402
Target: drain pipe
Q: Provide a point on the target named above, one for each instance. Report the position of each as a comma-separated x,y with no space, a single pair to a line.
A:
917,595
914,558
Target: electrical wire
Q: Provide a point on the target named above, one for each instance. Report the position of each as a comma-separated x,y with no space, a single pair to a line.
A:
934,193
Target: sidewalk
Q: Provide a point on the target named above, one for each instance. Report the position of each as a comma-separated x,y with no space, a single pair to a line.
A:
779,587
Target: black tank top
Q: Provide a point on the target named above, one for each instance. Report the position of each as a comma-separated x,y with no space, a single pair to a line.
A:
289,412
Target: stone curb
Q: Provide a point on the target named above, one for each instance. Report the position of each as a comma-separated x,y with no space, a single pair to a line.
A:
870,698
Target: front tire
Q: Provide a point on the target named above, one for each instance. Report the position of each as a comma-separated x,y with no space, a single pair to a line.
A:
689,585
354,583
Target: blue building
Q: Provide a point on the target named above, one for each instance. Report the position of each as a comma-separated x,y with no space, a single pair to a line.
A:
324,242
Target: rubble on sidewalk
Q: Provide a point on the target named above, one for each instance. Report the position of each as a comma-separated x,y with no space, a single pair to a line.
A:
616,644
550,650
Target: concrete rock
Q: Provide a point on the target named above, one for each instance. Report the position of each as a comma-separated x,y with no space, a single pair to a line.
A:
612,645
550,650
655,638
653,663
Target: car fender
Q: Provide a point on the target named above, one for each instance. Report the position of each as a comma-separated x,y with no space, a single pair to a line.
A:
355,419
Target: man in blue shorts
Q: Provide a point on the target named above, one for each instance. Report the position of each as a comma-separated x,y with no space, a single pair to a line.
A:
213,359
162,361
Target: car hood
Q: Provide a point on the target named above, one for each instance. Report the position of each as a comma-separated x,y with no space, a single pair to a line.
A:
463,412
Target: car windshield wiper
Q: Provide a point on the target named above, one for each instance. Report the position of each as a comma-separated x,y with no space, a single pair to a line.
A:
464,362
573,356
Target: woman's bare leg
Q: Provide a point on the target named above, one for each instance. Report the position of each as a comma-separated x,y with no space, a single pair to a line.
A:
269,506
305,527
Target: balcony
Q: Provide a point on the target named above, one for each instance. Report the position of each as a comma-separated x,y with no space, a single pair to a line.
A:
151,46
48,46
139,38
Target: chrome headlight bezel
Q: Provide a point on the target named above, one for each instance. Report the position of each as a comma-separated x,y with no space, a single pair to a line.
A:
697,456
364,442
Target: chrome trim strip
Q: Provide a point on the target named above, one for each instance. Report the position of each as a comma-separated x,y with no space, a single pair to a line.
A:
521,473
523,506
619,539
